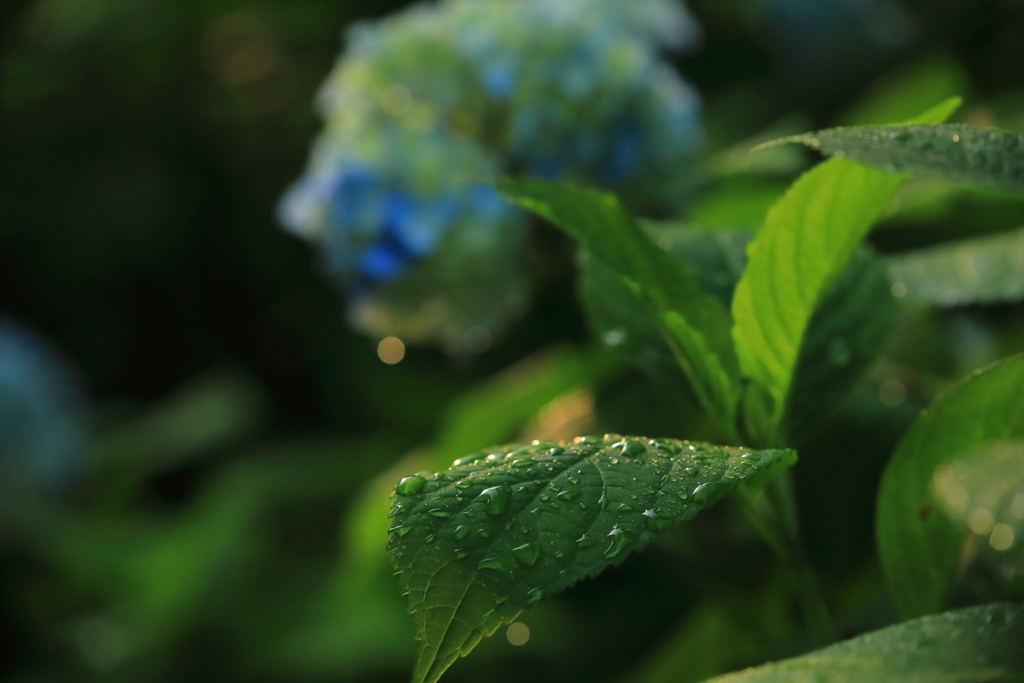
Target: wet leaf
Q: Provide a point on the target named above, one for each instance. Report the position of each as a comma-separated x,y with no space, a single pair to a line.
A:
475,545
973,645
988,157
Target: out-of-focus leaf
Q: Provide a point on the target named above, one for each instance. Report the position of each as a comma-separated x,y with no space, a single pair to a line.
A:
981,270
695,323
918,546
899,95
973,645
477,544
740,203
722,633
194,420
988,157
495,411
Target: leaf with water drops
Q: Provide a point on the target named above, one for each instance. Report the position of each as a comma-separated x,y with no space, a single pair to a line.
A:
475,545
975,271
972,645
988,157
918,546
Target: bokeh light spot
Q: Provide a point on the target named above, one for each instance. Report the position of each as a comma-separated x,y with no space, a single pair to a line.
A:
892,393
1002,536
391,350
518,633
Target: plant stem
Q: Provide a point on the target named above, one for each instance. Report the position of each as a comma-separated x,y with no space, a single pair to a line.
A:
773,514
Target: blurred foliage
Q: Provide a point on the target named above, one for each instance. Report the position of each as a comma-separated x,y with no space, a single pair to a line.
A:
238,421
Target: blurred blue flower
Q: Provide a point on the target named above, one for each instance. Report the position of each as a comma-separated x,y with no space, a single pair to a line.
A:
44,426
428,105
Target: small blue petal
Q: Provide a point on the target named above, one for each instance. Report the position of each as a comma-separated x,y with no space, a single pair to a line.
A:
383,261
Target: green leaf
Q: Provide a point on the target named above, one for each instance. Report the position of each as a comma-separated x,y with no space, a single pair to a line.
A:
477,544
898,95
845,335
976,271
964,154
807,240
494,410
918,547
695,324
973,645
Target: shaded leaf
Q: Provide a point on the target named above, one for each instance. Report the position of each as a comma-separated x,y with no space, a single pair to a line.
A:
845,335
695,324
477,544
975,271
973,645
963,154
918,547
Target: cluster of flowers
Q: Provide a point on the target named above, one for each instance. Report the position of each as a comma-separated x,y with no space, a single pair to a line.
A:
425,107
44,424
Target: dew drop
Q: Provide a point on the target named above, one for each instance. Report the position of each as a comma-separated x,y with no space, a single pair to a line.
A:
523,462
496,500
535,595
463,484
483,533
630,449
491,563
461,554
573,480
625,507
527,555
401,531
655,522
585,542
622,540
460,532
557,450
410,486
568,495
443,514
709,492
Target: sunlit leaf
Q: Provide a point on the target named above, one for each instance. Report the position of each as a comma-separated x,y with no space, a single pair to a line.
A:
807,240
988,157
695,324
975,271
477,544
918,547
973,645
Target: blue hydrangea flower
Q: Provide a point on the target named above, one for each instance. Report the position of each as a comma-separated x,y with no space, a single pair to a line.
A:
426,106
44,426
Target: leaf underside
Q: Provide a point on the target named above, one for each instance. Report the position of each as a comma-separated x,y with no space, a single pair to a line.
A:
475,545
974,645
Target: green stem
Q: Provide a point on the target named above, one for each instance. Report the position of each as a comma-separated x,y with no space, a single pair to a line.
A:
773,514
